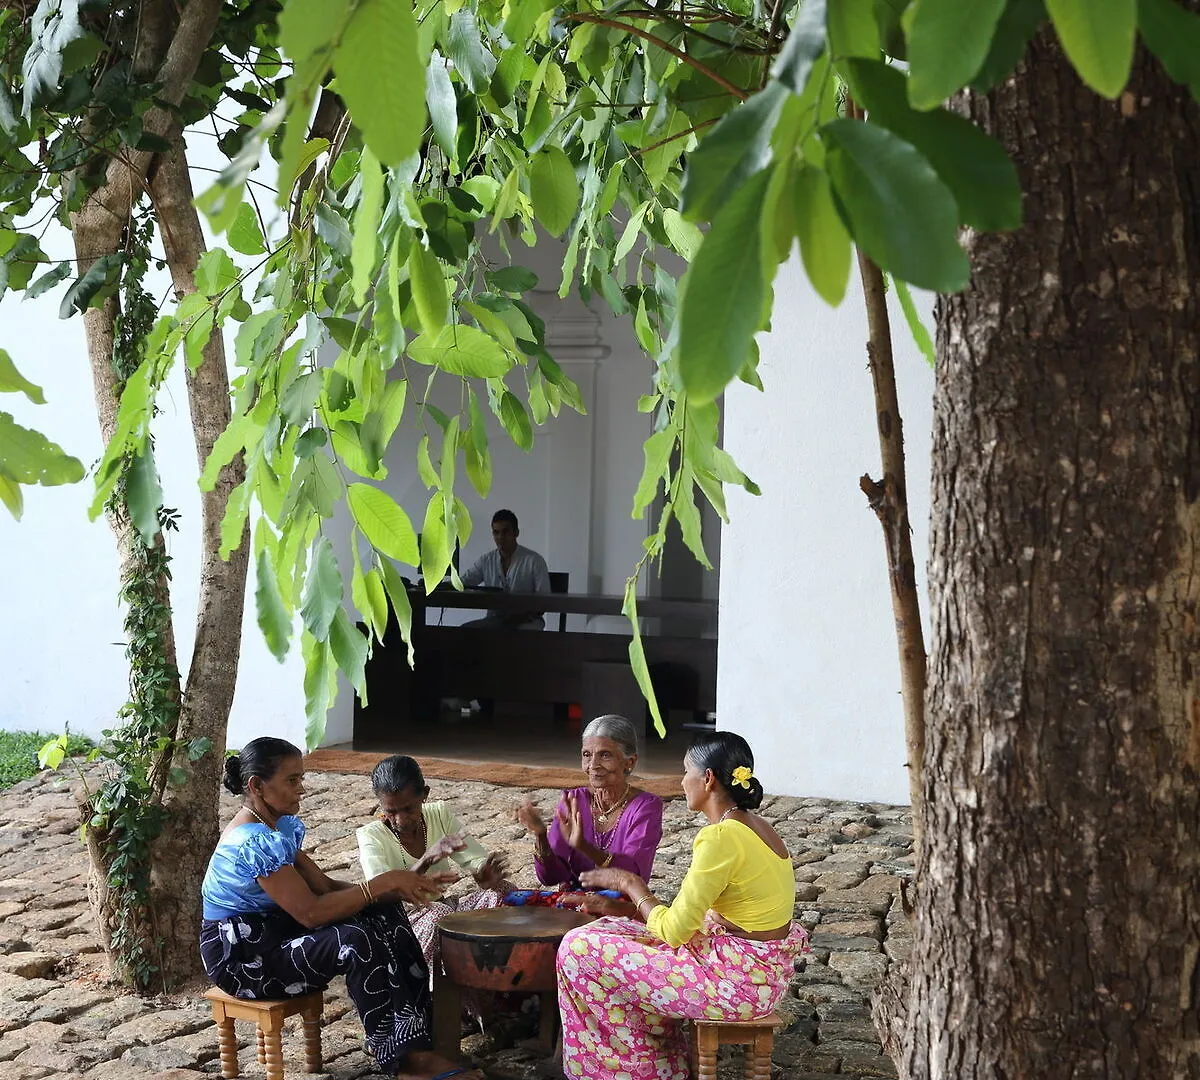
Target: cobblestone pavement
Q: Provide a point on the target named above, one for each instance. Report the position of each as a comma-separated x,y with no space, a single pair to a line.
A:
60,1017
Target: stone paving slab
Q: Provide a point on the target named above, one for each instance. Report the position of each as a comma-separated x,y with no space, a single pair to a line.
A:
60,1017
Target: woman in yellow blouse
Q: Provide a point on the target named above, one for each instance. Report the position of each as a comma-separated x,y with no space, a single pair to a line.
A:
723,950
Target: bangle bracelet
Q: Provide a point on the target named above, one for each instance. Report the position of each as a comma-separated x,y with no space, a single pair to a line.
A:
638,906
366,891
604,860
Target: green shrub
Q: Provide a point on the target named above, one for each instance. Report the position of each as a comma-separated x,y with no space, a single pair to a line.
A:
19,750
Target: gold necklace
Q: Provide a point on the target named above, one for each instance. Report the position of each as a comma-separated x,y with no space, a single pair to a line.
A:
601,814
254,813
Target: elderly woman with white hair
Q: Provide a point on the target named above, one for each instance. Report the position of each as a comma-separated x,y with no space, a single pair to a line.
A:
606,823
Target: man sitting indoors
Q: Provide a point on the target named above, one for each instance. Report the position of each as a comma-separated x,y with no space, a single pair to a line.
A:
512,568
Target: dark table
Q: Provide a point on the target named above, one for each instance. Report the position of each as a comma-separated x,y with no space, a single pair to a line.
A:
547,666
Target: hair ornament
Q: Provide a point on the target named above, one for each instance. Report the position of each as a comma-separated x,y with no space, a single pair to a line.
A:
742,776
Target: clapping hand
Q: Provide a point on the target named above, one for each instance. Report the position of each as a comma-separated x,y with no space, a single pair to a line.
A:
412,887
491,874
570,820
439,850
528,815
621,881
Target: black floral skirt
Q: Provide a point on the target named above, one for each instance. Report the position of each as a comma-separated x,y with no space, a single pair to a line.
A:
267,955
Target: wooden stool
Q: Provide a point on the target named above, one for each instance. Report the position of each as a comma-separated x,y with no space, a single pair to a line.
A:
757,1036
268,1017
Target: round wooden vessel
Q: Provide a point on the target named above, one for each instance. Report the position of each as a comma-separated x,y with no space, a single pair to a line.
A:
505,948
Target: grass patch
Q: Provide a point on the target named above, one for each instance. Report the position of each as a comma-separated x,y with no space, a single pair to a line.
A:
18,754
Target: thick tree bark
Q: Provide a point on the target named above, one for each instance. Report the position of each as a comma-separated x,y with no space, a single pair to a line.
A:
171,43
181,852
1058,927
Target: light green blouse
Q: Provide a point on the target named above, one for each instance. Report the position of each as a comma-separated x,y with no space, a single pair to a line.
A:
380,851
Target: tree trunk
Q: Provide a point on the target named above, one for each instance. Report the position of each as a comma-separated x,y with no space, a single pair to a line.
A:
181,852
1058,928
172,42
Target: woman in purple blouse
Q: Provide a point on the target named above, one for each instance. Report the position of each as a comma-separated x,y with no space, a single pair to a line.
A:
608,822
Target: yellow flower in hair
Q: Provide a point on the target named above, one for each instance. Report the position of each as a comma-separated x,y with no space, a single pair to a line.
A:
742,775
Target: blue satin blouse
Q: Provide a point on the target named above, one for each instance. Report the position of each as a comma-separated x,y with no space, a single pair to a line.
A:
246,853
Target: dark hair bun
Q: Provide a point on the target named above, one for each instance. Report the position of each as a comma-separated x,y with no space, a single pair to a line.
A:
233,775
747,798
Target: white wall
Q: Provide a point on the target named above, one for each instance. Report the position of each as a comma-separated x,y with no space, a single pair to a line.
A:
61,653
807,663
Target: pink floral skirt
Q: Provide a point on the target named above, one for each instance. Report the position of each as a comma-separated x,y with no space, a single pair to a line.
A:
624,994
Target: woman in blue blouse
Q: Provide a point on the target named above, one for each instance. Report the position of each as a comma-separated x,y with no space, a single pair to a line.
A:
275,925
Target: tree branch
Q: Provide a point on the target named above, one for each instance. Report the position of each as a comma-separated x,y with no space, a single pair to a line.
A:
645,35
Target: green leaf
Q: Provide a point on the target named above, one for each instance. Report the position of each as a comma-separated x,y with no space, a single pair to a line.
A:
48,280
143,493
383,522
515,420
804,44
1173,35
1098,37
915,326
215,272
898,210
825,246
471,60
853,30
349,648
10,495
103,272
512,279
1016,27
322,590
637,655
401,605
366,225
371,599
273,619
440,100
381,422
382,79
948,41
657,453
53,753
461,350
428,289
972,164
554,190
12,381
233,524
245,234
320,685
633,229
55,24
435,542
723,295
737,148
28,457
684,236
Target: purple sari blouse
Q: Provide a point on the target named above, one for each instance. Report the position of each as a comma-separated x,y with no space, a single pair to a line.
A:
632,842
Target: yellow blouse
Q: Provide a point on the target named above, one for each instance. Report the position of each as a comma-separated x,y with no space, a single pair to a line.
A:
738,876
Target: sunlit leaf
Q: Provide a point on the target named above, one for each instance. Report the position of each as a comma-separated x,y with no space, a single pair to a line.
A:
383,522
12,381
1098,37
554,190
948,41
825,246
273,619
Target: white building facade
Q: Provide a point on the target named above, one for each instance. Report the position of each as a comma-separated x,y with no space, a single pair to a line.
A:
807,665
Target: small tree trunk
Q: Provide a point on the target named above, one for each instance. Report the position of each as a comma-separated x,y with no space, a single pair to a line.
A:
889,499
182,851
1058,930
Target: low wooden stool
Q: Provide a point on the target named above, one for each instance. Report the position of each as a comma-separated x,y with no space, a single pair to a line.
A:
268,1017
757,1036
